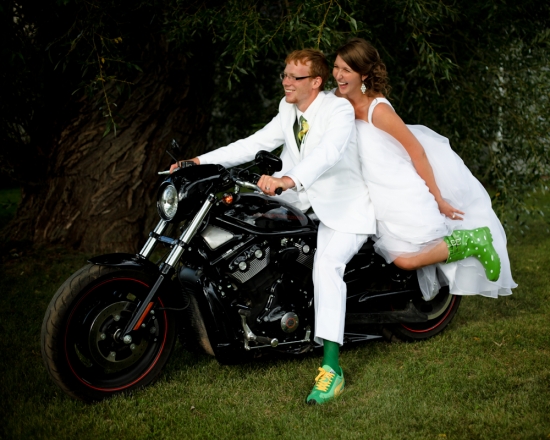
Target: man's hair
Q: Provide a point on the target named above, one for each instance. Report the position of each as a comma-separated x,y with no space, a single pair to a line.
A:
319,64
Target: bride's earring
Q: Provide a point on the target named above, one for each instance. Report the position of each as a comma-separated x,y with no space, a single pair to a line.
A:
363,88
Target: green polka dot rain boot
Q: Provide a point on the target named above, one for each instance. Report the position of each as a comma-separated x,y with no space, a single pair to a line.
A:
475,243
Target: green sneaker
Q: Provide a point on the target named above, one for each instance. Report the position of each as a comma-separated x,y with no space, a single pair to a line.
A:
475,243
328,385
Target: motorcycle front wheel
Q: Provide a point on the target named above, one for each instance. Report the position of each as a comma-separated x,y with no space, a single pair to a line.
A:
440,310
80,345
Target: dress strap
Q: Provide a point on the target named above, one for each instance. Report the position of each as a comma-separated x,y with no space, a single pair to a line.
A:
373,104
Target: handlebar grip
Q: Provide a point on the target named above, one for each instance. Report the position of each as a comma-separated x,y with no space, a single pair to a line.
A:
279,191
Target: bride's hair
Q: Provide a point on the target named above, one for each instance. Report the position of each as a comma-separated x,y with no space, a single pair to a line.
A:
364,59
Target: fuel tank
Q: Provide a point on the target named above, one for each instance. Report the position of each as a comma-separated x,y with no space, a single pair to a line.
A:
263,214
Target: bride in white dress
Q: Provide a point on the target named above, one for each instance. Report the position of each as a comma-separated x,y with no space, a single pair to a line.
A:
432,214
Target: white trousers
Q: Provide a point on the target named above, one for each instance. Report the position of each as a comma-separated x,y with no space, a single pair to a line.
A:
334,250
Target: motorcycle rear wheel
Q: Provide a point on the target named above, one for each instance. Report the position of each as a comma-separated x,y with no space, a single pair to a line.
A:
441,311
79,345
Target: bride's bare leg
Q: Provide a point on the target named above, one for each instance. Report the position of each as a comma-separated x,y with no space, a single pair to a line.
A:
437,254
460,244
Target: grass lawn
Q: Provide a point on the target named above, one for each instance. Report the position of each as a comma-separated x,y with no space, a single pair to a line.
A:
487,376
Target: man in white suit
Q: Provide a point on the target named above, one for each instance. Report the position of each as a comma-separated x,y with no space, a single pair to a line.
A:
321,167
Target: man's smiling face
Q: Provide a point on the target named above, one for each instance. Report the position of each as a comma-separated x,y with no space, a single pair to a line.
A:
300,92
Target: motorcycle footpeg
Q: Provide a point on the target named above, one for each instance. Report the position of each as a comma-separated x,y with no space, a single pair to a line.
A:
267,341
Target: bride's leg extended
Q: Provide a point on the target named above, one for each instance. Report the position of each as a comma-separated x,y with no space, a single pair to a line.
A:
438,254
460,244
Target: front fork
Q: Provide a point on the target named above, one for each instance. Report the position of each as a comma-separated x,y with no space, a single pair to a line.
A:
152,240
167,268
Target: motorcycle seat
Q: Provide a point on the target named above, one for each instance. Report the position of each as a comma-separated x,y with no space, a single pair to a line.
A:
368,246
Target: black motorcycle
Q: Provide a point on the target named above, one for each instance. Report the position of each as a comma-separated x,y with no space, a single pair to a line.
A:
235,281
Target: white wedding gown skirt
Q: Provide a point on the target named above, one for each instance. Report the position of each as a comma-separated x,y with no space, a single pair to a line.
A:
408,218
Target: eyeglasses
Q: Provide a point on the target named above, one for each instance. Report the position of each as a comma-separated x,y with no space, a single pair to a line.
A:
292,78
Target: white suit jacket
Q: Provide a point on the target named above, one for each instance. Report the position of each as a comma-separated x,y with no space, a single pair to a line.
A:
326,170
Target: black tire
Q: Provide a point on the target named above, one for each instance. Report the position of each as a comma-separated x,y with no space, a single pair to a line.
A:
78,347
441,310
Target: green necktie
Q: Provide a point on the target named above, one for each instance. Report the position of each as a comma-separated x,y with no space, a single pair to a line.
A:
300,132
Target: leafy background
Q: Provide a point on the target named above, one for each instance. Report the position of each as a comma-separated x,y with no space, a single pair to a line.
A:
476,72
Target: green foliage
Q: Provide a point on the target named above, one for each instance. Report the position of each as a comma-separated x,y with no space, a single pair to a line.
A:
249,41
55,54
250,29
476,72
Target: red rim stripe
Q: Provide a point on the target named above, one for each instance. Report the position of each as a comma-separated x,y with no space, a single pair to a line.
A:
436,325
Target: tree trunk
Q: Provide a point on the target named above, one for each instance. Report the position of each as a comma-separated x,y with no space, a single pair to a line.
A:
100,192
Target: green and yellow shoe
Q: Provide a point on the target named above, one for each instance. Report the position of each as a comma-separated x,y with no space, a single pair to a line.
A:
475,243
328,385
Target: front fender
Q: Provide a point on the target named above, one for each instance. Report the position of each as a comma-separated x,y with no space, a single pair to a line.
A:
173,297
130,261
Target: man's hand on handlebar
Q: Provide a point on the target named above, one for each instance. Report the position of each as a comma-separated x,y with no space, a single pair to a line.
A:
177,165
270,184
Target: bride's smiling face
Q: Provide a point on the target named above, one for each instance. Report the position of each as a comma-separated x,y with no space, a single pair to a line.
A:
347,79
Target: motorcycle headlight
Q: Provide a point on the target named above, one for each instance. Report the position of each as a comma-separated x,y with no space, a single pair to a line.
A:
168,202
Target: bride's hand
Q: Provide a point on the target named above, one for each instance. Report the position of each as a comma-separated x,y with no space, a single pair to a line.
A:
449,211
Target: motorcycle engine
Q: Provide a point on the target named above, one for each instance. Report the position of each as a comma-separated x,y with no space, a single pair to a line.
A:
272,280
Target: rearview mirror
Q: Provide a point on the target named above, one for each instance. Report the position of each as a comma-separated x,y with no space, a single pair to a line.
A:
268,161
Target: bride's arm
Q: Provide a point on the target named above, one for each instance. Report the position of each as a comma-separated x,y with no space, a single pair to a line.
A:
387,120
